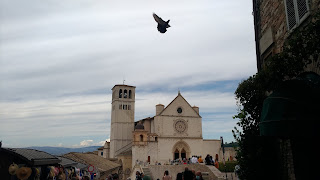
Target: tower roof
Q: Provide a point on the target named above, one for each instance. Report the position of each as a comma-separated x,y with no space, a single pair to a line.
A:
123,85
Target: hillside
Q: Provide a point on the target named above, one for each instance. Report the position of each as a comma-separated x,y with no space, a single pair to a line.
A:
63,150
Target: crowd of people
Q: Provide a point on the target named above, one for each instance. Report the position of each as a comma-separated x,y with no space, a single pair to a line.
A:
209,161
59,172
113,177
196,159
141,176
189,175
192,160
185,175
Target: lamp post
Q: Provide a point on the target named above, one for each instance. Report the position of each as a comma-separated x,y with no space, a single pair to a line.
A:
224,161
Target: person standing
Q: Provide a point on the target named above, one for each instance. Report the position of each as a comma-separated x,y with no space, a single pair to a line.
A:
138,176
166,176
199,175
216,164
200,159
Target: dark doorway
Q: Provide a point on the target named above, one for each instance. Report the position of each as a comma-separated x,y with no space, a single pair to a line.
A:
183,154
176,154
148,159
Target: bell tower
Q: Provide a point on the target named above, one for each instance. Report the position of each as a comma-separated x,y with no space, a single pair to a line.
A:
122,119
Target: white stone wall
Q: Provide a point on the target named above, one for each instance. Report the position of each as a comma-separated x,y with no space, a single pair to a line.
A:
122,120
193,146
187,110
165,126
141,153
212,147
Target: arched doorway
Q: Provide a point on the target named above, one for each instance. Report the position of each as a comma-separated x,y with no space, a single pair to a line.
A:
176,154
181,150
183,154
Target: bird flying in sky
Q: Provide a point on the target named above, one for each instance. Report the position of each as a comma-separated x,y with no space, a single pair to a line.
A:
162,25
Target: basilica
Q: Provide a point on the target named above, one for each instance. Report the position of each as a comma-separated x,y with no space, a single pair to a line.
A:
174,132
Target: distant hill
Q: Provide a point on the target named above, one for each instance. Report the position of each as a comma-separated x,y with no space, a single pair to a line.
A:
63,150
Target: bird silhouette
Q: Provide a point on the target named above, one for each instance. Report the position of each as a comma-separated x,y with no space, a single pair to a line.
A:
162,25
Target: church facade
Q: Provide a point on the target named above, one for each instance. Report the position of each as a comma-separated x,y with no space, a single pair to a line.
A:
175,132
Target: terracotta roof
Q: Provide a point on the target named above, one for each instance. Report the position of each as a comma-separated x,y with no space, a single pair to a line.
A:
89,158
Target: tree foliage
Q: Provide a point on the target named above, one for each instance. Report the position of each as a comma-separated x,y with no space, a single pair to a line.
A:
301,49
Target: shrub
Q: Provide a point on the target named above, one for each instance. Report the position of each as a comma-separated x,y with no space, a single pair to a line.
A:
229,166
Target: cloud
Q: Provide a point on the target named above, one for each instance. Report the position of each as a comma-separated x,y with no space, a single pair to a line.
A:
59,60
86,143
89,142
80,50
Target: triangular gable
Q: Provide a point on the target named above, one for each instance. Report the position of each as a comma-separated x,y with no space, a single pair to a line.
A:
179,101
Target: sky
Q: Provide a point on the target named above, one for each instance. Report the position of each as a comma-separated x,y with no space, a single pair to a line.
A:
60,59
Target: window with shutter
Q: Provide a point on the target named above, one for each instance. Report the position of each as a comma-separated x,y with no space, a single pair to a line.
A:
296,11
291,16
302,8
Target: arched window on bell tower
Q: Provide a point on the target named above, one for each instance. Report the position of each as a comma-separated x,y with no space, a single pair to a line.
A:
120,93
125,93
130,94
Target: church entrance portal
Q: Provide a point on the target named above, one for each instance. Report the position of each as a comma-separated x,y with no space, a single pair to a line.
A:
181,150
183,154
176,154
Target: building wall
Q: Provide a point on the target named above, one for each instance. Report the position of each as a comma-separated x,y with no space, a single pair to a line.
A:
106,150
165,123
212,147
122,118
272,28
141,153
163,150
170,138
126,161
230,153
165,126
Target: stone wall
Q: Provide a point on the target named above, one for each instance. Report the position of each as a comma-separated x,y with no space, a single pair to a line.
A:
272,20
272,30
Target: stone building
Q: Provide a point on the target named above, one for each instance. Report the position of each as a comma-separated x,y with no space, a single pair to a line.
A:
274,22
122,119
104,151
289,117
175,132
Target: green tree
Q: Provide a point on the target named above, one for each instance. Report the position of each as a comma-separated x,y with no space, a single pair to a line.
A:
301,49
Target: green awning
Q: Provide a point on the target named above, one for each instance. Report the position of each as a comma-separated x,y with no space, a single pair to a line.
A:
293,109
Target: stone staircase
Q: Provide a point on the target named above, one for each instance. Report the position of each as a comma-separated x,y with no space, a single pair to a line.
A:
216,172
146,171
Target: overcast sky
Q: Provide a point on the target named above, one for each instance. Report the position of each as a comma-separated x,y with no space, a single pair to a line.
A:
60,59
